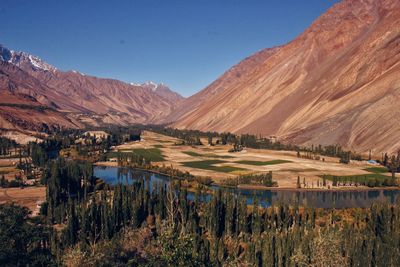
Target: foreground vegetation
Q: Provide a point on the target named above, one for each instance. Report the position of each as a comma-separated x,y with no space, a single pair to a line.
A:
82,225
85,222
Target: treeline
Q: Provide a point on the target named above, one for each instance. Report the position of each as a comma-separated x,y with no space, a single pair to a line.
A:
184,231
392,163
119,135
361,181
188,137
91,145
7,146
264,179
143,225
66,180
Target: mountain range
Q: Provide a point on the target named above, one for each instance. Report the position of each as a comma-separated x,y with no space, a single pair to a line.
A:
338,82
72,99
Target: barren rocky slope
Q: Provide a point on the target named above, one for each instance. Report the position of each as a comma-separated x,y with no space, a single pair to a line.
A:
337,83
25,103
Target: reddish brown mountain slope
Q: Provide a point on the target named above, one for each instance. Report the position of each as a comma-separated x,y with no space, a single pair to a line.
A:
338,82
79,97
25,103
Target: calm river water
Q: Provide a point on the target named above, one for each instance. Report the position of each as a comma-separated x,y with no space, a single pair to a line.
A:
317,199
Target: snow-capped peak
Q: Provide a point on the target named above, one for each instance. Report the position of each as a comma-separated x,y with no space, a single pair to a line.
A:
151,85
77,72
39,64
22,59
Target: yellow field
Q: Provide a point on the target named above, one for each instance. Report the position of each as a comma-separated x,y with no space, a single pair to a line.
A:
28,197
8,168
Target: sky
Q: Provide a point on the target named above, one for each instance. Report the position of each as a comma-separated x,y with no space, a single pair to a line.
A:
185,44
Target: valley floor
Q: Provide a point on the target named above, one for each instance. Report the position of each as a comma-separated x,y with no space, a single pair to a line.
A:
219,164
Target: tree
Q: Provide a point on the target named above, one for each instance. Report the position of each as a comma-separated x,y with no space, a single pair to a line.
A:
210,141
3,181
22,242
172,210
326,250
385,159
334,181
345,158
394,165
178,250
298,182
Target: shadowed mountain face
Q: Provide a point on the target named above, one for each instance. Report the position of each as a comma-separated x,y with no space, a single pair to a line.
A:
337,83
78,98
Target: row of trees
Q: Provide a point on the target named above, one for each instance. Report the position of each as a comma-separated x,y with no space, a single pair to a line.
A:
264,179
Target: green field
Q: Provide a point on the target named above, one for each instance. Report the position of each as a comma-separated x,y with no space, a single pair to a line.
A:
377,169
370,179
209,165
192,153
208,155
152,154
262,163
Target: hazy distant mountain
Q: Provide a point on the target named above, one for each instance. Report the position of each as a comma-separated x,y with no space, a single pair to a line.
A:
163,91
337,83
79,98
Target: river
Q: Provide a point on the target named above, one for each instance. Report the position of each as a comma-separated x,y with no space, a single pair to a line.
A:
317,199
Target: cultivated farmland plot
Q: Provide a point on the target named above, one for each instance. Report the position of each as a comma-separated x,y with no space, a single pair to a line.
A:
216,162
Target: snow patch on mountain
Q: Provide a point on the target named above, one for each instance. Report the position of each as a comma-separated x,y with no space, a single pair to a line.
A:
20,59
150,85
77,72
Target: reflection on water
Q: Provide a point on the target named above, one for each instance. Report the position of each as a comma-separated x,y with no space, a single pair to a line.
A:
317,199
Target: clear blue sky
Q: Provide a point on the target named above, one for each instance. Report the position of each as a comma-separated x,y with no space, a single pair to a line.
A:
184,43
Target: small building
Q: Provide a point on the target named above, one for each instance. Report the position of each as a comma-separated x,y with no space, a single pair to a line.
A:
98,134
273,138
